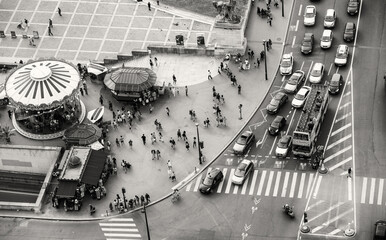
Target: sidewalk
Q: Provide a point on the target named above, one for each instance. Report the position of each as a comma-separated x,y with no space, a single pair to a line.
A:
150,176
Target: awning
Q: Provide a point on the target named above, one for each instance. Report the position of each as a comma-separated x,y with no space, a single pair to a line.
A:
94,168
66,189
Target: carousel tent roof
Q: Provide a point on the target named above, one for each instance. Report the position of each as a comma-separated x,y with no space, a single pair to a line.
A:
42,84
82,134
130,79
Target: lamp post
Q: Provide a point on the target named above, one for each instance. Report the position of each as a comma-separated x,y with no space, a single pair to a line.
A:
199,145
147,225
240,109
282,8
265,62
124,197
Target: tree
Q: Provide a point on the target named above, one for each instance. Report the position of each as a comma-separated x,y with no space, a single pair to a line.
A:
6,133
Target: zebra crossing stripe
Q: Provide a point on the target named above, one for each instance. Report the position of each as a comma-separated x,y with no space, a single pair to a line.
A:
340,163
293,184
334,232
284,190
339,141
261,184
268,189
364,189
302,180
236,188
229,183
276,188
121,220
117,224
372,191
132,235
219,188
245,185
310,178
189,186
317,186
380,192
253,182
119,230
198,180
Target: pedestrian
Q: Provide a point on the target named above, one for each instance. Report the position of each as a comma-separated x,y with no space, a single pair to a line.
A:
169,163
85,88
151,108
187,146
131,144
147,197
221,66
249,53
151,63
186,90
117,142
167,111
115,124
108,144
114,115
123,164
158,2
59,11
158,152
172,143
269,21
115,204
194,142
137,200
160,137
178,134
258,62
349,172
213,89
153,154
184,136
173,176
209,75
10,114
219,70
222,99
143,139
81,91
110,106
149,6
207,122
26,22
169,173
174,79
156,61
270,43
49,31
50,23
122,141
239,89
31,42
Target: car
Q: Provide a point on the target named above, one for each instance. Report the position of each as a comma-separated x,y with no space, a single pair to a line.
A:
300,97
244,168
317,73
277,101
307,43
330,18
276,125
283,146
294,82
335,83
211,181
326,40
243,142
286,64
349,32
3,96
380,230
341,55
310,15
353,7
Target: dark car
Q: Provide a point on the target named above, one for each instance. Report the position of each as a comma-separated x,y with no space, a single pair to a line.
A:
211,181
307,43
243,142
277,101
294,82
380,230
277,124
349,32
335,83
353,7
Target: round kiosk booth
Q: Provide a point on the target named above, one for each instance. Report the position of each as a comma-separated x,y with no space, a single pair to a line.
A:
45,96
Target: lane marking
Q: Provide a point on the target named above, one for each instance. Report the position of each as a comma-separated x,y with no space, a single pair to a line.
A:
273,145
364,188
122,235
380,191
300,10
317,187
314,205
293,185
297,25
347,93
344,105
220,186
236,188
326,211
302,180
229,183
268,189
121,220
329,70
339,141
293,41
245,185
309,184
349,188
117,224
372,191
341,129
343,117
340,164
285,184
198,180
277,183
253,182
261,182
334,232
119,230
337,153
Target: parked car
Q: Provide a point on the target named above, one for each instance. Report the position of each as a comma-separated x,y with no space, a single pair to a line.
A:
310,15
286,64
277,125
301,97
294,82
283,146
353,7
341,55
307,43
380,230
335,83
326,40
3,96
243,142
349,32
330,18
277,101
244,168
211,181
317,73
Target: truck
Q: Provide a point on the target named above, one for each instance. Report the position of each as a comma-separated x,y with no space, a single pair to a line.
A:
311,118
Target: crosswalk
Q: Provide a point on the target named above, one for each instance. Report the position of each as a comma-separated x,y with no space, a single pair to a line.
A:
371,191
274,183
119,229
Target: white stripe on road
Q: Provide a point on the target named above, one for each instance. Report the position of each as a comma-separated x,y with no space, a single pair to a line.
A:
236,188
245,185
341,129
253,182
337,153
229,183
277,183
268,189
345,105
302,180
309,184
343,117
372,191
261,184
121,220
293,41
119,230
198,180
380,191
300,10
364,188
326,211
334,232
339,141
340,164
347,93
315,204
122,235
189,186
317,187
219,188
349,188
117,224
297,25
285,184
293,184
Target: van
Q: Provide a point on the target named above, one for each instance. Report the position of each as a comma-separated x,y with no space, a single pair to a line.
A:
335,83
326,40
330,18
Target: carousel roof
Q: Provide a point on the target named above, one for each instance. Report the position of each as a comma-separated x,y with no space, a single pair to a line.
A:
42,84
130,79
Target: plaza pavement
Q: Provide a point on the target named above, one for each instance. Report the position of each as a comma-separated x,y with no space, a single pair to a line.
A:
146,175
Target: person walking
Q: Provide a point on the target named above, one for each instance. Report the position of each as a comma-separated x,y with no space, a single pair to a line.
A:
209,75
142,200
149,5
147,197
85,88
160,137
143,139
153,154
131,144
173,176
121,140
349,172
239,89
270,43
194,142
258,62
151,63
186,90
174,79
169,163
124,166
10,114
156,61
187,146
158,152
178,134
184,136
50,23
49,31
59,11
168,111
81,91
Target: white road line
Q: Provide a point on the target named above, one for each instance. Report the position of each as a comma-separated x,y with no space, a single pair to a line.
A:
347,93
189,186
339,141
198,180
364,188
290,123
261,182
121,220
326,211
293,184
309,184
372,191
117,224
268,189
119,230
273,145
334,232
285,184
224,173
343,117
329,70
253,182
245,185
380,191
277,183
282,78
300,10
344,105
341,129
301,186
340,164
122,235
297,25
349,188
314,205
293,41
236,188
325,224
317,187
314,230
229,183
337,153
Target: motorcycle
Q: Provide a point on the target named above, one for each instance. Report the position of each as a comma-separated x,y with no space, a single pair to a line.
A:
289,210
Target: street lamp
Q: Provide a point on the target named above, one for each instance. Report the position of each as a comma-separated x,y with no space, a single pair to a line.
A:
265,62
240,109
199,145
147,225
124,197
282,8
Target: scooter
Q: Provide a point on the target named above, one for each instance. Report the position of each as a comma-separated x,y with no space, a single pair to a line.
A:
289,211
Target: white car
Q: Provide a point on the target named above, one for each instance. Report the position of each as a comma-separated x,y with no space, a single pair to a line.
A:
310,15
301,97
341,56
317,73
326,40
283,146
244,168
330,18
286,64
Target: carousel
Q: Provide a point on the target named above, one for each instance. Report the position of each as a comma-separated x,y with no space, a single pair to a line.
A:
45,96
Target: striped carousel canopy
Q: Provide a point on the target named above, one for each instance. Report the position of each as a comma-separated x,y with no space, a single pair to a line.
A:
42,84
130,79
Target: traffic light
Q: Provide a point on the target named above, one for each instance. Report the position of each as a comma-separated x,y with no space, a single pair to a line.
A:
305,217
